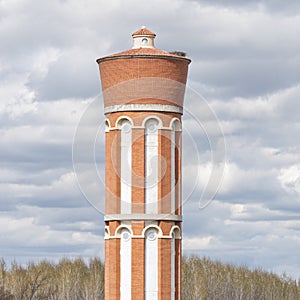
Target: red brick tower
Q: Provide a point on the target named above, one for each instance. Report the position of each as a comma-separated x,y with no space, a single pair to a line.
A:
143,91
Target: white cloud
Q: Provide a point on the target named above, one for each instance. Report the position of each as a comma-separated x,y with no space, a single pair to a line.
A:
33,240
18,232
249,234
197,243
290,179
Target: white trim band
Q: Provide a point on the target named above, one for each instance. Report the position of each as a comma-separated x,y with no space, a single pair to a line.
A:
147,217
143,107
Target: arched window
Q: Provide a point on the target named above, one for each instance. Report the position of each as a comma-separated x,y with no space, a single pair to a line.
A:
151,264
175,235
173,265
126,164
107,125
125,264
176,126
151,165
106,232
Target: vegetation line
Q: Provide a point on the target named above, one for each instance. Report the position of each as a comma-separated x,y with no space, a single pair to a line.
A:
202,279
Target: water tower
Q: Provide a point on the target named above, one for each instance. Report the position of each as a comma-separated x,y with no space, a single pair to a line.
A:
143,90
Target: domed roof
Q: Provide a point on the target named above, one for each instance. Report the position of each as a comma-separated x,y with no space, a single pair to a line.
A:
143,47
144,31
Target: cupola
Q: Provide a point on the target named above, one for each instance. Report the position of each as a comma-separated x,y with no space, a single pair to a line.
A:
143,38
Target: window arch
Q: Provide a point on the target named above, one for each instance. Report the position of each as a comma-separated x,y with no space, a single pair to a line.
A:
176,231
119,229
107,125
175,124
106,232
152,226
159,121
122,119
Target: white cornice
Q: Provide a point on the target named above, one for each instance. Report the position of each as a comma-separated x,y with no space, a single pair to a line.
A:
143,107
147,217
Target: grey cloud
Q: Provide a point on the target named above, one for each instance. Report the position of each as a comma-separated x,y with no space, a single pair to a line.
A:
269,5
244,54
247,78
41,28
72,76
49,50
241,241
85,219
51,233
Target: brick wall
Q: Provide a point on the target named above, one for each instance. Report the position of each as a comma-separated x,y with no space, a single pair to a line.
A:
142,80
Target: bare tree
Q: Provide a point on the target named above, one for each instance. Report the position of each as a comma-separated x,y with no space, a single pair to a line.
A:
202,279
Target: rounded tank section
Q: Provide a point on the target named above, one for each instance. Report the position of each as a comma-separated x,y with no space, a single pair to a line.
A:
143,74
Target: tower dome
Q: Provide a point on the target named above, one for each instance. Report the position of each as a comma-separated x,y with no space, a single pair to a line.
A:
143,38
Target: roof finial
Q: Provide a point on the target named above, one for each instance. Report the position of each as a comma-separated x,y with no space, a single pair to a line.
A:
143,27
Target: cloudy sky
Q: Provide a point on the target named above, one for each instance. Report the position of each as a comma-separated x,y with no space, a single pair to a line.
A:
242,124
